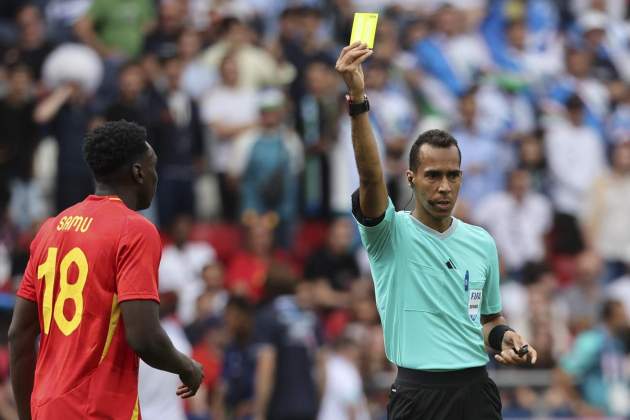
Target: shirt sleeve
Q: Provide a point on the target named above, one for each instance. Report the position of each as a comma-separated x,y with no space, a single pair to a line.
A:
491,302
27,287
137,261
376,233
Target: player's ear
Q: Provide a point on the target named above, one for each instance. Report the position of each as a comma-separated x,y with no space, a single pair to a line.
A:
137,173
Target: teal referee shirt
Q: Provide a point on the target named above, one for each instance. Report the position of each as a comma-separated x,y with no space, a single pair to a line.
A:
431,289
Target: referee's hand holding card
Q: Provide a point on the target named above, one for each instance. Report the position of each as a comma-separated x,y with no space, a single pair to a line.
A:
515,350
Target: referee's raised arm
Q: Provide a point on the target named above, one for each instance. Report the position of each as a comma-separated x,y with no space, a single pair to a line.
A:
372,189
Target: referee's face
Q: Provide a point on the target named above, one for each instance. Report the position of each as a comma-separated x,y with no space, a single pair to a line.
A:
437,181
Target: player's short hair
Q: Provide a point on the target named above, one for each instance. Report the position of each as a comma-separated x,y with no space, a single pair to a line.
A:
114,145
435,138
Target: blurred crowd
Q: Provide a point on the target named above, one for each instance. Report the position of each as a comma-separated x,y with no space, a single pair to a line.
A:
262,277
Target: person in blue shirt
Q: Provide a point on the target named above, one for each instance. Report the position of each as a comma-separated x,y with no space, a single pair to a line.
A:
436,278
592,373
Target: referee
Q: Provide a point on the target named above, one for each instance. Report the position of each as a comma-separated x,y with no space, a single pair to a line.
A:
436,277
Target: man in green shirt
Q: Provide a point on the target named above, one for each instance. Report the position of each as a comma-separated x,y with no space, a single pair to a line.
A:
116,28
436,277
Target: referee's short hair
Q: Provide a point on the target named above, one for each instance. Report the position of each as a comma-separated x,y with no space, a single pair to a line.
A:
435,138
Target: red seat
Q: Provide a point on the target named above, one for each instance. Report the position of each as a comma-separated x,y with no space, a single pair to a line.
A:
225,238
309,236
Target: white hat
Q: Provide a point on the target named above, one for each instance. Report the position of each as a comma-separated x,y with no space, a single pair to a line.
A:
73,63
270,99
592,20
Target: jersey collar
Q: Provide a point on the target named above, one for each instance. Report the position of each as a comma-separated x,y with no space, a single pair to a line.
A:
440,235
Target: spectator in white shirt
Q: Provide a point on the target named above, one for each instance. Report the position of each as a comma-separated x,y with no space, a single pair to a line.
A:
155,387
343,397
518,219
576,157
228,110
181,268
607,217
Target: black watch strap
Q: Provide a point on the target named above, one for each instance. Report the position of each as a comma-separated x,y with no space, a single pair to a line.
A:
356,108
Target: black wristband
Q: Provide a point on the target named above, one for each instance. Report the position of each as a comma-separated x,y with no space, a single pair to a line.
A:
495,338
356,108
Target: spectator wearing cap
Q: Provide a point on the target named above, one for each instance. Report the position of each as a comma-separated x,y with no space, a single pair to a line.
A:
267,161
606,223
609,57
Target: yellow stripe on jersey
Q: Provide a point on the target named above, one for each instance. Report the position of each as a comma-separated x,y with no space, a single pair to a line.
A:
113,323
136,411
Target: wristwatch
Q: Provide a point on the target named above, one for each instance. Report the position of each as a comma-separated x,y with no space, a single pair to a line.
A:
356,108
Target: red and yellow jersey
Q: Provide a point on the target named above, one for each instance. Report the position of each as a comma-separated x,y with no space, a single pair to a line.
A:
83,263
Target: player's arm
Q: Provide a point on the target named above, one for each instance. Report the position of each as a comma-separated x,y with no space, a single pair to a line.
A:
148,339
23,334
500,338
372,189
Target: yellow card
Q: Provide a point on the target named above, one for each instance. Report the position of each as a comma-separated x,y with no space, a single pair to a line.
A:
364,28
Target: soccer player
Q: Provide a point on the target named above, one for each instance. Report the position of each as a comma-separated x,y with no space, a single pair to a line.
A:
90,291
436,278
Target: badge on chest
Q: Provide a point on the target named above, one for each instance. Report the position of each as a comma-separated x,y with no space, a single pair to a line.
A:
475,293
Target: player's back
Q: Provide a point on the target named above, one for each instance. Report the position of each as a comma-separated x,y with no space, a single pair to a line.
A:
83,263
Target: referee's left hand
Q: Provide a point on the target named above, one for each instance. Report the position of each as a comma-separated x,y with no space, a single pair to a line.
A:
512,342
